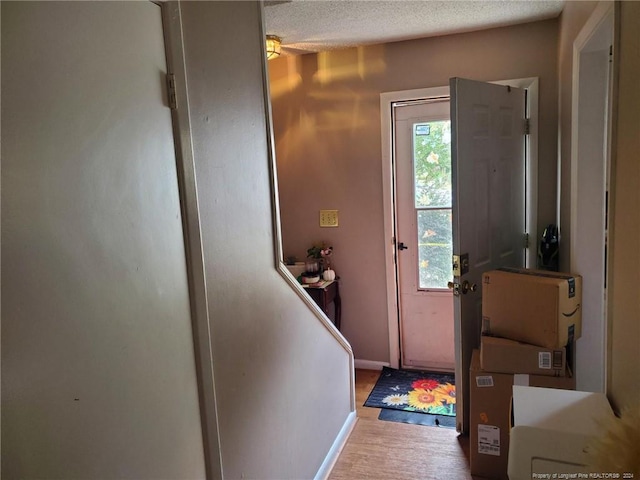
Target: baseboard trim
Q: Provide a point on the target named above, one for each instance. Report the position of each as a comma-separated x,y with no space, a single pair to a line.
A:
334,452
369,364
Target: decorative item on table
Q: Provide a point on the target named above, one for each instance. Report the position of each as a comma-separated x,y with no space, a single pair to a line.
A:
329,275
310,277
321,254
312,265
290,260
326,254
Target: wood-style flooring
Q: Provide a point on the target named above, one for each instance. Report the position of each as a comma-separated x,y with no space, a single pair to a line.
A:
381,450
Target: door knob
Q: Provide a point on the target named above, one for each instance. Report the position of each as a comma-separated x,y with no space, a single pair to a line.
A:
468,287
463,287
402,246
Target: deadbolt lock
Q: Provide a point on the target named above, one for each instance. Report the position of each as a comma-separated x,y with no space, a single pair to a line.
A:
460,264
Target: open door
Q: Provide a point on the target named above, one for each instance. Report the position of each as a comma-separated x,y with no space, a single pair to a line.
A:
488,176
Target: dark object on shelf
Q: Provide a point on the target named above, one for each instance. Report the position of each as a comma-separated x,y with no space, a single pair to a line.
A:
291,260
548,249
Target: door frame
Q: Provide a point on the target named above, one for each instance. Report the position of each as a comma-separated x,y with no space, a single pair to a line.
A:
200,319
413,353
596,361
388,189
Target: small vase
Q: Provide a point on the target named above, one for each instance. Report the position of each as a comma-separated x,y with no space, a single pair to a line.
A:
311,265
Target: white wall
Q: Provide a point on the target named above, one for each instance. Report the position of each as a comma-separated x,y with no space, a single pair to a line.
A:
98,370
283,383
587,256
572,19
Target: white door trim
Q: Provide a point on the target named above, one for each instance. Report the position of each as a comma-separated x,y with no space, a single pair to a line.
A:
596,378
388,189
388,193
595,21
172,24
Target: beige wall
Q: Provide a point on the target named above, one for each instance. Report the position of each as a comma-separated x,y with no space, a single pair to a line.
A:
572,19
623,369
624,304
326,110
283,382
98,371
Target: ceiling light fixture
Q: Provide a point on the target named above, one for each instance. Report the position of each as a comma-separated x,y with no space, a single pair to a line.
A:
273,46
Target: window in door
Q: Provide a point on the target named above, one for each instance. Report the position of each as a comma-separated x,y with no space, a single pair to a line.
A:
432,202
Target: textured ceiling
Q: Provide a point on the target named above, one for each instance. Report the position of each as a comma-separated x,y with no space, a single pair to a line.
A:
319,25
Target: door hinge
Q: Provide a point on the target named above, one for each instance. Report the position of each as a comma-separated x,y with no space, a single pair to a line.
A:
527,126
526,240
395,251
171,91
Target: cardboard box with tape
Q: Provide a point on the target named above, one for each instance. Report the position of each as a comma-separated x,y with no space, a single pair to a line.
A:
490,414
532,306
503,355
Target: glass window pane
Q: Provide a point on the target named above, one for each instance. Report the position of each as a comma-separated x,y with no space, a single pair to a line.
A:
432,163
435,248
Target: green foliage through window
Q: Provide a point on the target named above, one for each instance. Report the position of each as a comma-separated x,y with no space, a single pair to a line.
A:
432,188
432,165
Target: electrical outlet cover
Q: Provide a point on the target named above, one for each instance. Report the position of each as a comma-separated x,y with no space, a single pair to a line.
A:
328,218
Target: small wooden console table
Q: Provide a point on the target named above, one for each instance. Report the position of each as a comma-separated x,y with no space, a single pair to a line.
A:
324,294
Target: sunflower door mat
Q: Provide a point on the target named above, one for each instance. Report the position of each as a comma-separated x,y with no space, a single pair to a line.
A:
414,391
415,418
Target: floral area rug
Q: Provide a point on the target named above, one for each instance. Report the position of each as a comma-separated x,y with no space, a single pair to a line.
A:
416,418
414,391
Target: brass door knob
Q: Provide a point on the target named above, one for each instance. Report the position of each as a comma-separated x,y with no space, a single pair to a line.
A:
463,287
468,287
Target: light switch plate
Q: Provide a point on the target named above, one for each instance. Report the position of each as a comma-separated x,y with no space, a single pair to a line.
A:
328,218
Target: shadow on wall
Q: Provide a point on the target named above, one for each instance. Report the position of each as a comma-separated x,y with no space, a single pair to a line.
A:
326,121
316,126
308,80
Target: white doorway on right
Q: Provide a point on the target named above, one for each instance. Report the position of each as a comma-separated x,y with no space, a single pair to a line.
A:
590,186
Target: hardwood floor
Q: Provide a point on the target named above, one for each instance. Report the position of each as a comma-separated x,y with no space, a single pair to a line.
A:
388,450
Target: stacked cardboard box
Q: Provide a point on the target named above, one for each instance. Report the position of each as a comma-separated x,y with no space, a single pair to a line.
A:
490,395
503,355
530,320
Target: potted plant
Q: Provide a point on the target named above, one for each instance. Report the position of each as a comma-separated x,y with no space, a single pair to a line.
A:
320,256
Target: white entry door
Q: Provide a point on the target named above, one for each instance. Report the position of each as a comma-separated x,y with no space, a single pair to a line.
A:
488,170
422,159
